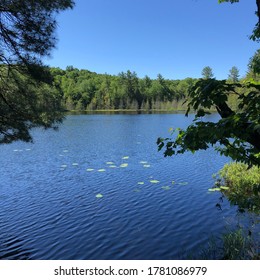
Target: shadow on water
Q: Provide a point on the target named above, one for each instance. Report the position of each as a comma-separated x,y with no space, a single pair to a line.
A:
13,248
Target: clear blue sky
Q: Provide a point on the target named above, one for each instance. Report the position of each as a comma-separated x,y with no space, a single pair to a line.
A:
175,38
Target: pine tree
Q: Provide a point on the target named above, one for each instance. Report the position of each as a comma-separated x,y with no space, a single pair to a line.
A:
26,97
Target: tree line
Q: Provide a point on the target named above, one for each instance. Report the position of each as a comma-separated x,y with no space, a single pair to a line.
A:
86,90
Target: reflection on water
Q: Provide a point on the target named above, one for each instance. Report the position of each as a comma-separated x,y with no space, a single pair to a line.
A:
124,112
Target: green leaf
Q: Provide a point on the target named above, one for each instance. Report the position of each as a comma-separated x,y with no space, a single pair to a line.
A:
214,189
154,181
183,183
200,113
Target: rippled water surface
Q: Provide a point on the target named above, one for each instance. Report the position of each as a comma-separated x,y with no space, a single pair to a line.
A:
49,208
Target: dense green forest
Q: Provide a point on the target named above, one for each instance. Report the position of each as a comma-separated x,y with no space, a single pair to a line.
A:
85,90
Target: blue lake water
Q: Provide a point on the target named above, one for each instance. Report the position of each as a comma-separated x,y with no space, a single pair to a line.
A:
49,208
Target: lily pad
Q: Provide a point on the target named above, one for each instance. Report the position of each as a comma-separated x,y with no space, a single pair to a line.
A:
124,165
99,195
214,189
101,170
183,183
166,188
112,166
127,157
109,162
90,169
154,181
140,183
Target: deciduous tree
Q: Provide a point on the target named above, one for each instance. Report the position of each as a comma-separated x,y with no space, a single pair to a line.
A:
237,133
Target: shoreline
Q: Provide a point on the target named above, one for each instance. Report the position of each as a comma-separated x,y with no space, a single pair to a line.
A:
131,111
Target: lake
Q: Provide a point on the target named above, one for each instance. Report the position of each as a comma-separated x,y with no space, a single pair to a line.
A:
99,189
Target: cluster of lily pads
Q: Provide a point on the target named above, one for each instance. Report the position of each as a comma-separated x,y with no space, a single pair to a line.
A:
111,164
166,188
152,181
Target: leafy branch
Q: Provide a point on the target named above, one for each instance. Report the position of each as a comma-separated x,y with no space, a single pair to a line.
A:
236,134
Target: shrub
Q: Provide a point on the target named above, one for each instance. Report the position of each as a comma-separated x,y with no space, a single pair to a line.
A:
242,186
